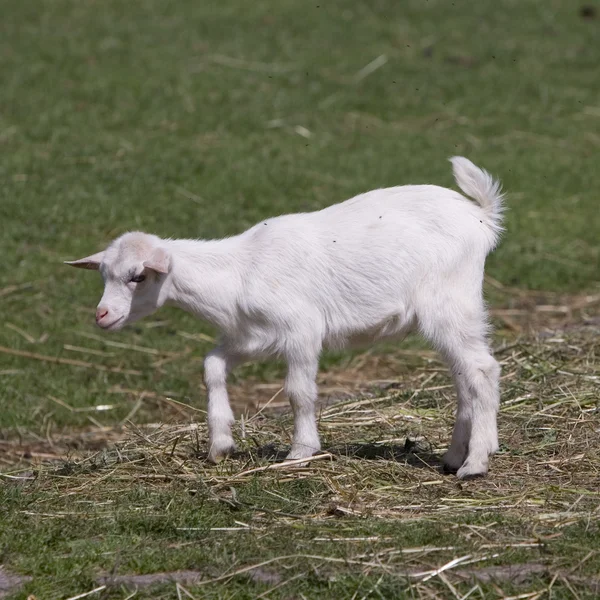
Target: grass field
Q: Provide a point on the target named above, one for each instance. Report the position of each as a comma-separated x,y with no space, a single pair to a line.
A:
194,119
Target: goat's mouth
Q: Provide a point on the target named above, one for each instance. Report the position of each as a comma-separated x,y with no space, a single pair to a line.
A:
112,325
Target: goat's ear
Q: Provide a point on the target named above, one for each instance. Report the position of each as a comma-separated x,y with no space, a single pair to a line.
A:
160,261
89,262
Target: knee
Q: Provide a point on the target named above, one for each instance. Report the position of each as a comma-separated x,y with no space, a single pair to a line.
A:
490,369
486,380
299,388
479,365
482,375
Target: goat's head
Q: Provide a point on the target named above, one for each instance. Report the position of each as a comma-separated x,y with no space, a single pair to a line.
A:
135,268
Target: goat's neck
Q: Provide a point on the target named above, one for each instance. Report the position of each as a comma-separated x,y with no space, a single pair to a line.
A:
205,278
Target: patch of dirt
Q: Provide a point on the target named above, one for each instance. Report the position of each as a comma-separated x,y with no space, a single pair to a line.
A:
259,575
10,582
517,574
521,573
149,579
262,575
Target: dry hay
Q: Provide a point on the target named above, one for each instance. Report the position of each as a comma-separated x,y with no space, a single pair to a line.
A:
548,423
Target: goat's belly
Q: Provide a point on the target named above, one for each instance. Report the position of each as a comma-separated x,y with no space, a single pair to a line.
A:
396,327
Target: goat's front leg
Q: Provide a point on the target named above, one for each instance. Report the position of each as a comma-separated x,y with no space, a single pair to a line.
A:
301,389
220,418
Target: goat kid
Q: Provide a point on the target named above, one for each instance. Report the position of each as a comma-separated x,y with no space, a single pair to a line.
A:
377,266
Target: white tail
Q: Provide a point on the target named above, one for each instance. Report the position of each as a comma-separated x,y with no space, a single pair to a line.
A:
481,186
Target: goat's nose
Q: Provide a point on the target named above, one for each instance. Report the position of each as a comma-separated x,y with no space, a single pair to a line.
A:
101,313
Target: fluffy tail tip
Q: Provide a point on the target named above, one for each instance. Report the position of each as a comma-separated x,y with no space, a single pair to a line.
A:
479,185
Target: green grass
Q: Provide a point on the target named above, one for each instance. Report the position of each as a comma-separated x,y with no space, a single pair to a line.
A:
194,119
143,533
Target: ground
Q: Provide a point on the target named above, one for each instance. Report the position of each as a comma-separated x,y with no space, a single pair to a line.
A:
195,120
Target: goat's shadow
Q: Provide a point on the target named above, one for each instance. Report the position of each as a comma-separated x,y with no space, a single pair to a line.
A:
412,453
415,454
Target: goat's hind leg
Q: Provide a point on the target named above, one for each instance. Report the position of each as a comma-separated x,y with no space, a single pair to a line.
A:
458,330
475,437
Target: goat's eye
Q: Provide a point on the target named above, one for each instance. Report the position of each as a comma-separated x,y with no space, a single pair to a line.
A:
138,278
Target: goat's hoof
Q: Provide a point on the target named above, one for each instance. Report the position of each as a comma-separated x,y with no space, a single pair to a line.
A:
472,470
453,461
296,454
219,452
471,476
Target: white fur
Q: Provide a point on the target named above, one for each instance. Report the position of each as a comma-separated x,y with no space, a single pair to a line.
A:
376,266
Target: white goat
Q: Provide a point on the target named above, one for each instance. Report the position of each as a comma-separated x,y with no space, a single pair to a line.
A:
376,266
